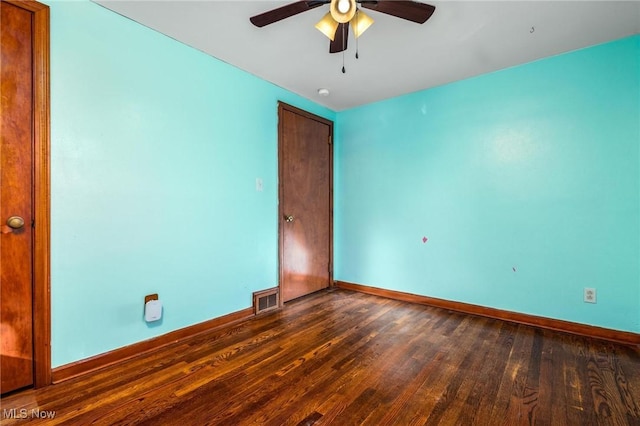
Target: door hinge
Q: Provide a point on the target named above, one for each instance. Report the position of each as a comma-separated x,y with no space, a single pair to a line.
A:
330,137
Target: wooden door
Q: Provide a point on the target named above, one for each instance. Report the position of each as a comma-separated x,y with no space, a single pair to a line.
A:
24,181
305,171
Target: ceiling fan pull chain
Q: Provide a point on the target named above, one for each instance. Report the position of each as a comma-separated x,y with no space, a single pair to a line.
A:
356,26
343,49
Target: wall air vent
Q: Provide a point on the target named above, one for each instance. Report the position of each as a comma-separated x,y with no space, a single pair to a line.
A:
266,300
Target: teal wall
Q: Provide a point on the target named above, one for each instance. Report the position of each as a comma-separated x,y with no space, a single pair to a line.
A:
156,148
525,182
155,152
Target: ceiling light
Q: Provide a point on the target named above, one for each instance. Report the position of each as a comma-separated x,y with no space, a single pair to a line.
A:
362,22
328,26
342,10
323,92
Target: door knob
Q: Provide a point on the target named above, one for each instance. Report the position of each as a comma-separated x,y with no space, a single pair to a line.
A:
288,218
15,222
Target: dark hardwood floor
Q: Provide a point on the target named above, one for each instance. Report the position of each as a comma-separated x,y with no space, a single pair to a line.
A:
345,358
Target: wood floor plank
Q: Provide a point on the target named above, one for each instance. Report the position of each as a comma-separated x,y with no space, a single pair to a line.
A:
328,369
344,358
483,395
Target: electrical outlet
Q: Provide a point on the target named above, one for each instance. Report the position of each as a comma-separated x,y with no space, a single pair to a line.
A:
589,295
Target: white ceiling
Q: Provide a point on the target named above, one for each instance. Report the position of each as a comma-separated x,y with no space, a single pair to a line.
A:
462,39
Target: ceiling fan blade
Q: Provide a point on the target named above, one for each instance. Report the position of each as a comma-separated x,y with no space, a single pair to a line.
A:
284,12
339,42
409,10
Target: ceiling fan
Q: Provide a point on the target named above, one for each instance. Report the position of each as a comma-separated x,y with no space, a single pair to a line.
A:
343,13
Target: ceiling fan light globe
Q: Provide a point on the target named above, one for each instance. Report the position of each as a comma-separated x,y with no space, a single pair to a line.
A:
328,26
336,9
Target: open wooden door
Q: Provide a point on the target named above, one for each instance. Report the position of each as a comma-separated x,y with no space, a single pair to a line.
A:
306,201
24,196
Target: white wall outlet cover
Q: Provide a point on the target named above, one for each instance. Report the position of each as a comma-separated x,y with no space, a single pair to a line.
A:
590,295
152,310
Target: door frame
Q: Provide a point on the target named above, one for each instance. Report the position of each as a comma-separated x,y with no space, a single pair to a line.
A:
282,106
41,191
